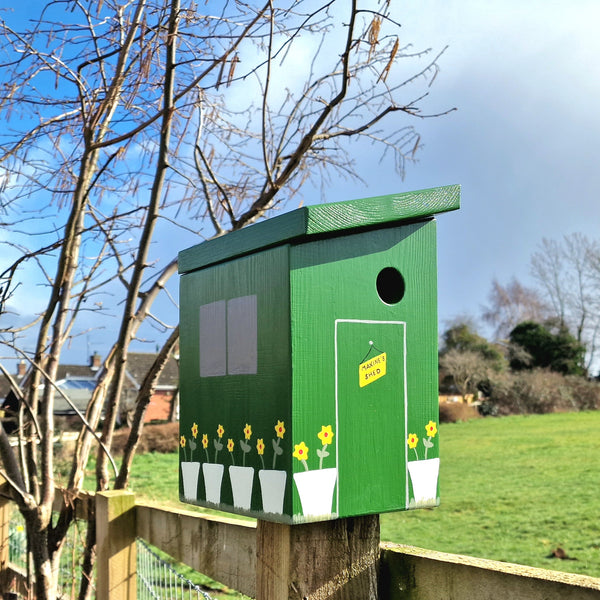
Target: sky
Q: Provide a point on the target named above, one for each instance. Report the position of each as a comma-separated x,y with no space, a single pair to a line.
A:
522,143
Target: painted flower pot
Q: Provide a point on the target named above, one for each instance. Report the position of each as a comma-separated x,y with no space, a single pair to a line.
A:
424,477
316,491
272,488
213,476
242,479
189,472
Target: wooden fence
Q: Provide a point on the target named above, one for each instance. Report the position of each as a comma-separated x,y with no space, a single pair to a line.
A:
341,560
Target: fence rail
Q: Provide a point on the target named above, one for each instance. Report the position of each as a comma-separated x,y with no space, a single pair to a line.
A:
270,561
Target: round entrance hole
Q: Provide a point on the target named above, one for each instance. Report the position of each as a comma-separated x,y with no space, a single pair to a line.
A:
390,285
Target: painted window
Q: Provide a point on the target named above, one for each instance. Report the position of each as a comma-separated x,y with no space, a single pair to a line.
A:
228,337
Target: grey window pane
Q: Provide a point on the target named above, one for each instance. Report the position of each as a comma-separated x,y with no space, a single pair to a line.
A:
213,350
242,336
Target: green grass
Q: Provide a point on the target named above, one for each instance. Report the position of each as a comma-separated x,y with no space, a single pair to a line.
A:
512,489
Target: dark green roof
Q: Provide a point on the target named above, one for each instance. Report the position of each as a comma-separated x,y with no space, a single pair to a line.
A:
321,219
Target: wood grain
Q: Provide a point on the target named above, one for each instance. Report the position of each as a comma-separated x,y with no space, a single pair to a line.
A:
334,560
320,220
222,548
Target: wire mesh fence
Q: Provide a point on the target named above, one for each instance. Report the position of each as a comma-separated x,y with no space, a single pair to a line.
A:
157,579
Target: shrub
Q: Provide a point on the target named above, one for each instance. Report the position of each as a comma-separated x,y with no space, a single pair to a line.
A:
586,394
155,438
451,412
541,391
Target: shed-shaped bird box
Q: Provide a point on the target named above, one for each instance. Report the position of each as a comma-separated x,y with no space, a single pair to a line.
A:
309,365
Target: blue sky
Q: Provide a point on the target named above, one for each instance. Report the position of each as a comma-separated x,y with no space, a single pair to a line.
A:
523,143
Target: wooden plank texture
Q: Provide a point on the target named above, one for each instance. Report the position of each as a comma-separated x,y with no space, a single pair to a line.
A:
6,509
116,533
333,560
222,548
410,573
320,220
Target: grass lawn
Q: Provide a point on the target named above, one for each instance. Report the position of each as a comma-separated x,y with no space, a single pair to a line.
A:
512,489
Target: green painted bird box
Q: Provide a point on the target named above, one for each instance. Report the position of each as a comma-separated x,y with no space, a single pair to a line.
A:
309,364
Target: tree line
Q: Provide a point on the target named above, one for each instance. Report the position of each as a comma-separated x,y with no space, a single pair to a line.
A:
543,351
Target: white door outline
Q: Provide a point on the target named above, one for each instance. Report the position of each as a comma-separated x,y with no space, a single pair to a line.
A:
337,429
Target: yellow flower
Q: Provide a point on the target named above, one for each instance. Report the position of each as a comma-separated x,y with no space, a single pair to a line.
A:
431,429
248,431
280,429
205,440
260,446
182,441
300,451
220,431
326,435
230,445
412,440
195,430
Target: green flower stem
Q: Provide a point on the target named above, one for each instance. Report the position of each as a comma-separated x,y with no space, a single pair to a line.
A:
262,461
322,455
207,457
416,453
427,447
275,453
305,465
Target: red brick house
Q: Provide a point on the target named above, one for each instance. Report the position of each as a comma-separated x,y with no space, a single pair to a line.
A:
78,382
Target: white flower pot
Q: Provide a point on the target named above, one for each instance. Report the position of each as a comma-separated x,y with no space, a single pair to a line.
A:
316,491
424,477
213,476
272,488
242,479
189,473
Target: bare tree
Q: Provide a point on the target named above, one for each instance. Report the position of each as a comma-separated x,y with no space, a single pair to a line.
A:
566,272
122,118
467,369
510,305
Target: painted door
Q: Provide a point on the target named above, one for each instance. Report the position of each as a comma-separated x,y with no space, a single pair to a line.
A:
371,415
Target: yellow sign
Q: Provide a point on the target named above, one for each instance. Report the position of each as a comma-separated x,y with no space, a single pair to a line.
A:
373,369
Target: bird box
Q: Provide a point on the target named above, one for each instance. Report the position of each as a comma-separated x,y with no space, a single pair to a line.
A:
308,361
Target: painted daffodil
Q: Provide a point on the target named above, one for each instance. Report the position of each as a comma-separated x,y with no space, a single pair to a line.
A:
280,429
260,448
431,428
247,431
325,435
300,451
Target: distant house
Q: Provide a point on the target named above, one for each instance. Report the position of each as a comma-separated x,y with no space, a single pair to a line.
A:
78,382
167,390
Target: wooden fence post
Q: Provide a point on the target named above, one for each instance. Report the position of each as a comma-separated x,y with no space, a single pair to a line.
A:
333,560
5,512
115,538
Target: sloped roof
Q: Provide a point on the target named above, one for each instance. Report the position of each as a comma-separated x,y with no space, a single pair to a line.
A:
4,386
139,363
70,371
319,220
